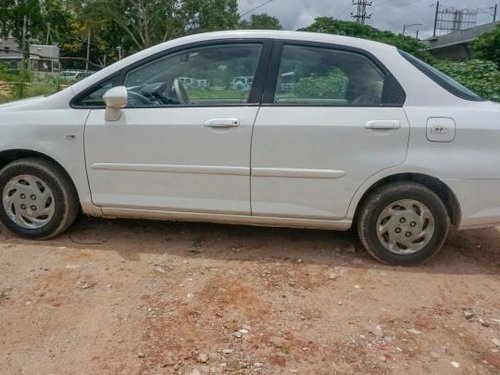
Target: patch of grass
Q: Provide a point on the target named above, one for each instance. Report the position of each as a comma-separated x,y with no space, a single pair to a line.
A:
196,244
4,296
284,350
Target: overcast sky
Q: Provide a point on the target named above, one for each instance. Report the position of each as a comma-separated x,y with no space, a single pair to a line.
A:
386,14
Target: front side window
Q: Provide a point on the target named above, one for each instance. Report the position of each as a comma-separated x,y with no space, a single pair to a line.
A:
325,76
212,75
94,98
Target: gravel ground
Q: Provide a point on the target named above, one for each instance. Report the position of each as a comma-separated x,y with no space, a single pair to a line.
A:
132,297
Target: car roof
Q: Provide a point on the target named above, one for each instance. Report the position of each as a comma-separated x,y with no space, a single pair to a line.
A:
370,46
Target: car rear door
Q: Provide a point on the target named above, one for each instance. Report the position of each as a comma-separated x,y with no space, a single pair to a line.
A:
331,118
165,154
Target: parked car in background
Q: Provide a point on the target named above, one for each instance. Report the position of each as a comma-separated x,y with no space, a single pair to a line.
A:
72,75
75,75
188,82
241,83
363,135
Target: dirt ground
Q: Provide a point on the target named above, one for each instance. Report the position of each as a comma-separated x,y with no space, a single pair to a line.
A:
132,297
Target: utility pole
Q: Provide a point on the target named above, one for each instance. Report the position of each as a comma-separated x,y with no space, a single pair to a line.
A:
495,11
436,19
88,54
361,14
20,90
48,33
407,26
23,42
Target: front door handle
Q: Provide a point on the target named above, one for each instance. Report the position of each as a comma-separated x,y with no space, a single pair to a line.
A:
223,123
383,124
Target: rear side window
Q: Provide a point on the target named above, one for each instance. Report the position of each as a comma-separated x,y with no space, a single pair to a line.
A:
310,75
442,79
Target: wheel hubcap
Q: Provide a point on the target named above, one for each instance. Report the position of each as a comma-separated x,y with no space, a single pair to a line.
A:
405,227
28,202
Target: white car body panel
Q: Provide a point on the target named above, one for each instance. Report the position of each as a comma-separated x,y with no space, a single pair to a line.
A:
344,149
171,160
321,191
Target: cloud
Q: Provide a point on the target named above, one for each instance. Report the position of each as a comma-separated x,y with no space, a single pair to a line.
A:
386,14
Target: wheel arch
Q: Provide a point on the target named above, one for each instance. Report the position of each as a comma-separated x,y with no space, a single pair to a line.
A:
8,156
433,183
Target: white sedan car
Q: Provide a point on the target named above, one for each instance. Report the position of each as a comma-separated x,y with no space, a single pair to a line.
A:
365,135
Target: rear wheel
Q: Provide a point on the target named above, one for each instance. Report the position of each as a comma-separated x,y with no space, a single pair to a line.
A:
38,200
403,223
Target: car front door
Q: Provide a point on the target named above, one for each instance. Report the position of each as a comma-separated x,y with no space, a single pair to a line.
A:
332,118
177,146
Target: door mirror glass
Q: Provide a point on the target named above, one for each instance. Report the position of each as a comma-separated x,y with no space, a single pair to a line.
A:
115,99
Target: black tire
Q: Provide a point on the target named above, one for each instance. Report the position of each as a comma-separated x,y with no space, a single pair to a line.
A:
374,205
66,203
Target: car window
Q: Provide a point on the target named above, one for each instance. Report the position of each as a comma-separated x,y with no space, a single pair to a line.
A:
94,98
442,79
212,75
325,76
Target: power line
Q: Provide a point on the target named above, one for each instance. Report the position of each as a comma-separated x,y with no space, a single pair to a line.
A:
256,8
361,12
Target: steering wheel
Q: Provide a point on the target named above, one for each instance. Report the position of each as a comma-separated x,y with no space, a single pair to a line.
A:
181,92
137,99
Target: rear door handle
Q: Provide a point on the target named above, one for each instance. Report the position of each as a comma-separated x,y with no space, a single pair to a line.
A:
223,123
383,124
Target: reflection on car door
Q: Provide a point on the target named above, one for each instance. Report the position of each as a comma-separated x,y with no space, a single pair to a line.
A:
328,126
166,155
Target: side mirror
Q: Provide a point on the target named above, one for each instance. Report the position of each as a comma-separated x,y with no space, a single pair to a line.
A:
115,99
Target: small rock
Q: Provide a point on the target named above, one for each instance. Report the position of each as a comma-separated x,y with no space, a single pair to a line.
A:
383,358
85,285
202,358
455,364
414,331
469,314
434,355
195,372
357,287
496,342
258,364
160,269
227,351
243,331
378,332
484,323
246,327
277,342
141,355
333,276
238,335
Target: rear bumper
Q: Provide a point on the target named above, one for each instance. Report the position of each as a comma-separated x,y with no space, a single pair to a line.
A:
479,202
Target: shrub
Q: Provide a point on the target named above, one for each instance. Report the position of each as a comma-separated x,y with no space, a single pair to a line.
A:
481,76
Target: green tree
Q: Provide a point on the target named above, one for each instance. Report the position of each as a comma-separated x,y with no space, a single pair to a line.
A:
261,22
12,18
487,47
405,43
148,22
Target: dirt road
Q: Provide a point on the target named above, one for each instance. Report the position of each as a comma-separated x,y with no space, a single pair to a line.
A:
130,297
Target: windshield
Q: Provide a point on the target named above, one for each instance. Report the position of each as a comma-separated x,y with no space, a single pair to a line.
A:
442,79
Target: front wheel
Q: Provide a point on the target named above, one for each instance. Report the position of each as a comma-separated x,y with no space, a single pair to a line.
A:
38,200
403,224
